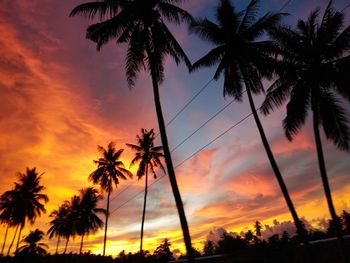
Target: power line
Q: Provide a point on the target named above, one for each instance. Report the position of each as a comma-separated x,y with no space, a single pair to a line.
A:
122,191
285,5
345,8
186,105
189,102
188,158
205,123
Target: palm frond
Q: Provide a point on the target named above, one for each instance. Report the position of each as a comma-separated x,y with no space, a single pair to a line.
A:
297,109
104,9
250,15
174,13
334,120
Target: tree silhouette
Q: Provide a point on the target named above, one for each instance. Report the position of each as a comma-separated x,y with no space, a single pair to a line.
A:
58,224
88,221
313,74
163,253
148,157
109,170
32,246
6,213
141,24
257,228
243,60
27,200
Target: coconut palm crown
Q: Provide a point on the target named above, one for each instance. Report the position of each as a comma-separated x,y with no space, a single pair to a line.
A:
314,75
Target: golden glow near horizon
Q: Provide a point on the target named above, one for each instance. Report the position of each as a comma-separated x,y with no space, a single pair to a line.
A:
59,99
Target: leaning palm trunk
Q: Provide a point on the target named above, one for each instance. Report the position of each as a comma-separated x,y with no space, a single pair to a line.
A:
81,243
169,164
107,214
19,237
299,226
5,237
58,242
327,189
144,207
13,240
65,248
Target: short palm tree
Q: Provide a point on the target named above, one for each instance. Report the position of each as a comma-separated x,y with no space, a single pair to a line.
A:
314,74
88,220
243,60
141,24
58,223
109,170
148,158
32,245
6,213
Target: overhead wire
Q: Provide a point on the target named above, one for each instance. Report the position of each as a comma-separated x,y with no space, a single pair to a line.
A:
188,158
189,136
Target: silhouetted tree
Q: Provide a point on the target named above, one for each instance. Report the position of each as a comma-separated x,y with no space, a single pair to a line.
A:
313,73
230,244
345,217
209,248
32,245
141,24
109,170
7,206
257,228
148,158
88,221
28,200
243,59
249,237
58,225
162,252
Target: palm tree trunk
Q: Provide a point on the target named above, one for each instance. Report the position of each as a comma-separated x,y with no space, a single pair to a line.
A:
58,242
13,240
299,226
144,207
5,237
81,243
169,163
107,214
65,248
326,187
19,236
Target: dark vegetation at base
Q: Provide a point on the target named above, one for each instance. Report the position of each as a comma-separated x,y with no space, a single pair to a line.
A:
234,250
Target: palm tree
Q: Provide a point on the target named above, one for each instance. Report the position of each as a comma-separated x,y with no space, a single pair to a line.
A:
58,223
109,170
29,198
32,246
243,59
88,220
313,74
6,213
141,24
149,158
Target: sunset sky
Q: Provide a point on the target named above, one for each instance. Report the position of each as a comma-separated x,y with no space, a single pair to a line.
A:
60,98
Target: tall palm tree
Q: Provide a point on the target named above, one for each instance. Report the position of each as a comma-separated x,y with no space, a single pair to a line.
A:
142,25
88,220
244,59
314,74
148,157
109,170
58,223
32,246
